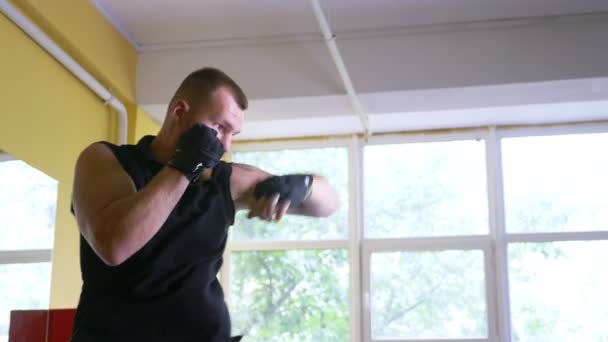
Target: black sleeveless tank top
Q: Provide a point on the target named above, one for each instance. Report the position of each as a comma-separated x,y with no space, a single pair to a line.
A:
168,290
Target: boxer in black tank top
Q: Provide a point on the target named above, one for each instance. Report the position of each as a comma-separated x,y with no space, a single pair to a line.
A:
169,287
154,219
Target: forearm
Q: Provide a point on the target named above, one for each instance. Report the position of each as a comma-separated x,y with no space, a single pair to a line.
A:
247,180
322,202
132,221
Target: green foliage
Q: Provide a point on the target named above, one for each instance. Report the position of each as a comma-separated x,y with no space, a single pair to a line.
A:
428,295
430,189
291,295
557,293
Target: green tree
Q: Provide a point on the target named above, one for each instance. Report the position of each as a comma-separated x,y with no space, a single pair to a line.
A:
291,295
295,295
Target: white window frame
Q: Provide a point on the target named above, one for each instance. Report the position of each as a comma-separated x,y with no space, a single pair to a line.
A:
503,237
26,256
494,244
482,242
462,243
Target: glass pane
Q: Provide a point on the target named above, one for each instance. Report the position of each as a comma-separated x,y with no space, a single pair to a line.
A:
421,295
558,291
297,295
28,201
331,163
425,189
556,183
22,287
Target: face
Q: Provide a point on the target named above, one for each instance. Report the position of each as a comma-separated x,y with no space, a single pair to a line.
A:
222,114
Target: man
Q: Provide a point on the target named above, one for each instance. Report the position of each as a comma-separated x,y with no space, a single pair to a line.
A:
153,219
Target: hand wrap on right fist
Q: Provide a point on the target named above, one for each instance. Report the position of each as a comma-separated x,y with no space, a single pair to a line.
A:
198,148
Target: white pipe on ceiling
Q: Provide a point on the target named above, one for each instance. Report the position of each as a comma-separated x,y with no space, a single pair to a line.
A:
69,63
330,40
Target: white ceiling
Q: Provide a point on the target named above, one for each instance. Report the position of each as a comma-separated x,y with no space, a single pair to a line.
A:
412,62
164,22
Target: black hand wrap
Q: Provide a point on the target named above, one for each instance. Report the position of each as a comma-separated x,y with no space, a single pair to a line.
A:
198,148
293,188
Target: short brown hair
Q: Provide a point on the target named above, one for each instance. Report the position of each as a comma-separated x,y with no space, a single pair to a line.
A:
201,84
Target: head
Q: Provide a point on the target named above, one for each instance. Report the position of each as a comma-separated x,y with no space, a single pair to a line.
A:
210,97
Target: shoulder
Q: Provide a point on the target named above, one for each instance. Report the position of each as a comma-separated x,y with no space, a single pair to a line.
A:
98,160
106,153
96,152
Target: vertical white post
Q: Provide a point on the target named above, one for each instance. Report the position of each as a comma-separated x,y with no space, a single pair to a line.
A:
498,232
354,236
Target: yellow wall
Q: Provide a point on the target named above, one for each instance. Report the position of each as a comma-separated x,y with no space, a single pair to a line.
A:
48,116
144,125
86,35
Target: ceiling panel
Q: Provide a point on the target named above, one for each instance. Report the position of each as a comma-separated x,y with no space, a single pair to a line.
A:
352,15
158,22
168,22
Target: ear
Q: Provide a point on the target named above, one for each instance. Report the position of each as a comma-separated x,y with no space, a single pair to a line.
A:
179,110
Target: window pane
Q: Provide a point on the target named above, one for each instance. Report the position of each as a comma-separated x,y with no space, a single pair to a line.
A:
22,287
425,189
28,200
297,295
331,163
558,291
556,183
418,295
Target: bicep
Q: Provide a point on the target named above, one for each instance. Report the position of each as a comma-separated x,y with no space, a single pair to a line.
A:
242,183
99,180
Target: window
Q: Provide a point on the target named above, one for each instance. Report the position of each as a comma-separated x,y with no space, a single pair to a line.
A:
439,294
289,281
555,207
490,234
422,278
27,211
291,295
425,189
24,286
556,183
558,291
